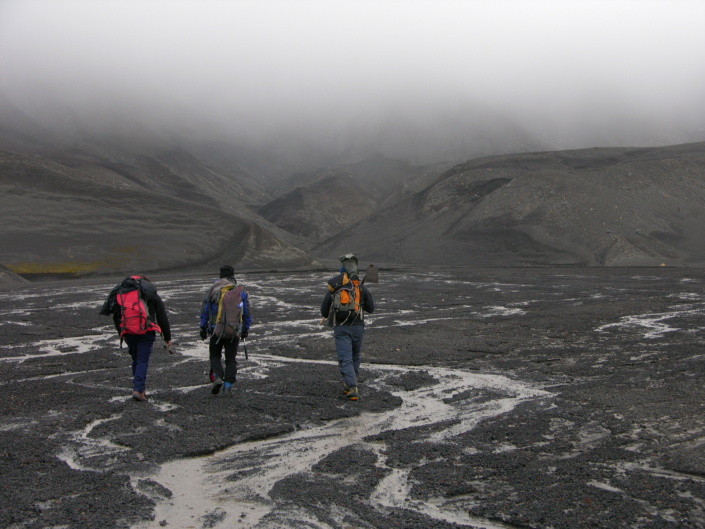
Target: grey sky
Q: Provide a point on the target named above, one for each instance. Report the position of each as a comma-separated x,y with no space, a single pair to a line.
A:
257,65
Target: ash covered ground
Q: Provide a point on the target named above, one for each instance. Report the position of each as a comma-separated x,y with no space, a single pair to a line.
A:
495,398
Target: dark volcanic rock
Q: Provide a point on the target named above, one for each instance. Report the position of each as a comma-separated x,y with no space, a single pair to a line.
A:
532,397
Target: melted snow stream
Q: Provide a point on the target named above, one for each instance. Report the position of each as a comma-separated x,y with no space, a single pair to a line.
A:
203,490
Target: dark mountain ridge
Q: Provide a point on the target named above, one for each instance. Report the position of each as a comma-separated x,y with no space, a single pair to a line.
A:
590,207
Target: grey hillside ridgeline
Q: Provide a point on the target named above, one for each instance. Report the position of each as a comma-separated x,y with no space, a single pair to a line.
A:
589,207
107,206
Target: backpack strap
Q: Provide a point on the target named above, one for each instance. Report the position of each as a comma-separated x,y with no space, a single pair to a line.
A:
223,290
211,301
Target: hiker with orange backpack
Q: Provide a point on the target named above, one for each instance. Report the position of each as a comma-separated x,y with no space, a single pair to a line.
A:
225,317
139,314
343,307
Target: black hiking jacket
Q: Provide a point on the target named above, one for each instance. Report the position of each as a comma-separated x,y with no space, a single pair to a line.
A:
367,303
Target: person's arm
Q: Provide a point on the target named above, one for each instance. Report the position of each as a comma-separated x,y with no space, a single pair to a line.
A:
204,325
325,306
368,304
162,318
110,308
205,313
246,315
116,320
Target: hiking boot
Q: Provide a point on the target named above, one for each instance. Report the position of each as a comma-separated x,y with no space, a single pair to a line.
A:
346,388
217,383
137,395
351,393
227,390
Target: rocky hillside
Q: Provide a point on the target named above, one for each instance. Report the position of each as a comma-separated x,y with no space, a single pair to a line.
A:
321,209
609,207
69,213
381,179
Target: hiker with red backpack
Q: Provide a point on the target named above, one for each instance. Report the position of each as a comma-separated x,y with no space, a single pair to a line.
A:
225,317
343,307
139,315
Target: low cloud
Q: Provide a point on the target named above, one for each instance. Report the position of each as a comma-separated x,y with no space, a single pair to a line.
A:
573,73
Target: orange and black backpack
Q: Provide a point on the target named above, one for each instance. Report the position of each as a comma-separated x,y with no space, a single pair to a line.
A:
346,305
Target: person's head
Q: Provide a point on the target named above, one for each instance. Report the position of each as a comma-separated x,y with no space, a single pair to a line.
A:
349,265
227,272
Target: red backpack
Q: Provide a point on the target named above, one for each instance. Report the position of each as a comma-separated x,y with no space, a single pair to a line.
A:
134,314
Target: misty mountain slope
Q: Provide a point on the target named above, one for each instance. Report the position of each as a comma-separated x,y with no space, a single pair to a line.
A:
57,221
17,130
210,176
584,207
221,172
205,185
382,179
320,209
389,180
163,169
231,177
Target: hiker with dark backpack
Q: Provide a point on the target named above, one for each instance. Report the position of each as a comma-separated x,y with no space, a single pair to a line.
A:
225,317
139,315
343,307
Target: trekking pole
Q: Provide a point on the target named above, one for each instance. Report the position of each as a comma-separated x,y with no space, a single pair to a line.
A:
244,347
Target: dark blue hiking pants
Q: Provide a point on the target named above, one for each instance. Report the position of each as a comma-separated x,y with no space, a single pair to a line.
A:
348,345
140,349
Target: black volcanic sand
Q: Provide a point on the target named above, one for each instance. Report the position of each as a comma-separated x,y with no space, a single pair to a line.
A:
591,414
